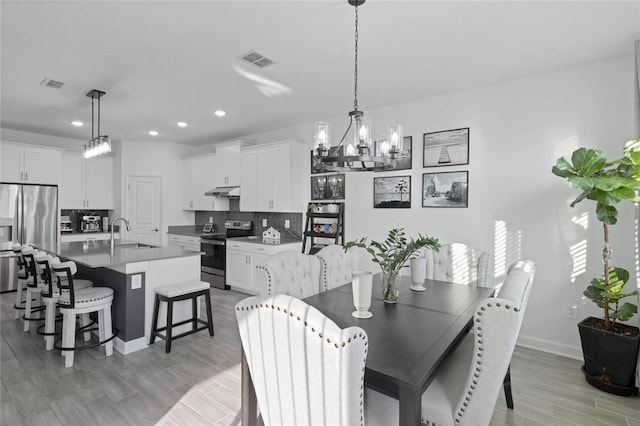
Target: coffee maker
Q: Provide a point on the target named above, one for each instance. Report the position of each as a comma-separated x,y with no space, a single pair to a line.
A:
90,224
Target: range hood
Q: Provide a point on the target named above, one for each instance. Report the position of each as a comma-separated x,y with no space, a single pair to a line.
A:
224,191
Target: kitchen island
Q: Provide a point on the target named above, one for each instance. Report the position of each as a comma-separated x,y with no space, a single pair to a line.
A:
133,271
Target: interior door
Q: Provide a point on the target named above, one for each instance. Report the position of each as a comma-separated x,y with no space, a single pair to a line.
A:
144,209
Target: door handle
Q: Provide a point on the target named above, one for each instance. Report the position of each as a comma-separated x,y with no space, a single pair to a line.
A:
155,230
26,176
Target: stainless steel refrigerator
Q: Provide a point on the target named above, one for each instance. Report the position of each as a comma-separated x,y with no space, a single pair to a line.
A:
32,211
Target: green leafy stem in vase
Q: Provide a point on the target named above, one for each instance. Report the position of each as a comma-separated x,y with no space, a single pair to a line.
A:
395,250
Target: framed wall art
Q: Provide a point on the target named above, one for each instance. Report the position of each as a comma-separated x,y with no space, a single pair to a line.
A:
403,159
446,189
446,148
335,187
392,192
319,187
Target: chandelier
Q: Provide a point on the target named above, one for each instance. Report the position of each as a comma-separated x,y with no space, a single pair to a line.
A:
101,144
356,153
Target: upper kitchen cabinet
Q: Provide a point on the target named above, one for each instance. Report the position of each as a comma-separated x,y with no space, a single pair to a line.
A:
86,183
29,164
199,174
274,177
228,170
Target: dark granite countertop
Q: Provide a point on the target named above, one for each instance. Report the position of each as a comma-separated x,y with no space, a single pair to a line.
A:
95,254
187,230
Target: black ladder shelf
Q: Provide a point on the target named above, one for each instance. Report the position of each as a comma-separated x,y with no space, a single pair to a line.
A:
319,229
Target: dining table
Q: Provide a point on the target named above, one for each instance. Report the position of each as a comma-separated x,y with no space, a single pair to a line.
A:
408,340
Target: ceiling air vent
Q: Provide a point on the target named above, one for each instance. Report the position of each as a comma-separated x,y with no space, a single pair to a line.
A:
54,84
258,59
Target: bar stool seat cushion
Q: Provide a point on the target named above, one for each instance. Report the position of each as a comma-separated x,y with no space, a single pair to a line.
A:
179,289
88,297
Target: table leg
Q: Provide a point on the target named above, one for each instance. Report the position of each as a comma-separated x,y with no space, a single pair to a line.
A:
249,414
410,407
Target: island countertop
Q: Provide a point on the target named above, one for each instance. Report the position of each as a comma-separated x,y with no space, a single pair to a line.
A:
96,254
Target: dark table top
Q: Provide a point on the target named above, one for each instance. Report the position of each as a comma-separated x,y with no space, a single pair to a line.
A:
407,340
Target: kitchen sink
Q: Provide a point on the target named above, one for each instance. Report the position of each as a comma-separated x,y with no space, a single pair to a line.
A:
134,246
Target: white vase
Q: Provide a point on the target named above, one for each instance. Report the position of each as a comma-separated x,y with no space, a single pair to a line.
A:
418,273
361,284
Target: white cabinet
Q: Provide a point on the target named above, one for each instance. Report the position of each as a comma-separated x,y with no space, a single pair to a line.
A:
228,171
29,164
249,181
199,174
274,178
242,258
86,183
184,242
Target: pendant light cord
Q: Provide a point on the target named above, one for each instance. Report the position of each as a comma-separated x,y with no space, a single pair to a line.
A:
355,69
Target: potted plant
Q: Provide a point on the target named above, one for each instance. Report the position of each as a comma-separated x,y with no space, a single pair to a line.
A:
391,255
610,349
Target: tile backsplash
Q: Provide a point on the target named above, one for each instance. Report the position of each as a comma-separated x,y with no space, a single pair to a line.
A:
273,219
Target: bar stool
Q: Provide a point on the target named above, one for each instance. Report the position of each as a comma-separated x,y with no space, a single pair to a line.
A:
176,292
74,302
23,277
34,287
50,295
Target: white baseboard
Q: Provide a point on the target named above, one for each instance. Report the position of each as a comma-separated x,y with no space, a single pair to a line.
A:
550,347
126,348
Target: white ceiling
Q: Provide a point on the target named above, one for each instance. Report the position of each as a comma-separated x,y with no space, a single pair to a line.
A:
164,61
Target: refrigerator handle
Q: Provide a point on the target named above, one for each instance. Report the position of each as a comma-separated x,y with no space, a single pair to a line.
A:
19,216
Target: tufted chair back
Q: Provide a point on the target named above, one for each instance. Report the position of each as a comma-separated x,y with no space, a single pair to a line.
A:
289,272
335,267
458,263
496,326
305,369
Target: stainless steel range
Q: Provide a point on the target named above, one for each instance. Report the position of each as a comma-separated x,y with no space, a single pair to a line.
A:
214,246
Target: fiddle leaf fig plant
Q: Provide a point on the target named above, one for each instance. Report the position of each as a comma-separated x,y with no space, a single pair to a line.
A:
607,183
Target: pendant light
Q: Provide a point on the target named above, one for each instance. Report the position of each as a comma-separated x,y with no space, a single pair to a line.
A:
101,144
355,153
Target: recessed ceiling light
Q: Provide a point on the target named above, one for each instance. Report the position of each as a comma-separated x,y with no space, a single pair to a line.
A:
153,132
182,124
220,113
77,123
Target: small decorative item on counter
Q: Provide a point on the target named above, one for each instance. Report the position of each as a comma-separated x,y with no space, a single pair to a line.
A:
271,236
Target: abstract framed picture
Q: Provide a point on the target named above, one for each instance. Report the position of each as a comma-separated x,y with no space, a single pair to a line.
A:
446,189
335,187
392,192
446,148
319,187
403,158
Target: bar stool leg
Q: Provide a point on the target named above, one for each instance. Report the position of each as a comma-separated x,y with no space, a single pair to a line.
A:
107,329
27,310
18,304
49,323
85,321
169,325
68,337
154,325
194,313
207,299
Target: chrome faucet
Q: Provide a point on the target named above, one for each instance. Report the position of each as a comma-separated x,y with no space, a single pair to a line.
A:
112,242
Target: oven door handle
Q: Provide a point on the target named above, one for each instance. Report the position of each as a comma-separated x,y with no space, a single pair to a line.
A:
212,242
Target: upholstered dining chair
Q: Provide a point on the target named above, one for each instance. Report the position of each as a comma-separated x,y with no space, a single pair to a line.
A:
458,263
335,266
467,385
305,369
289,272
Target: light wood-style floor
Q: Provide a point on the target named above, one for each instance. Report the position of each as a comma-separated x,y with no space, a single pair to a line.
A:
198,383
